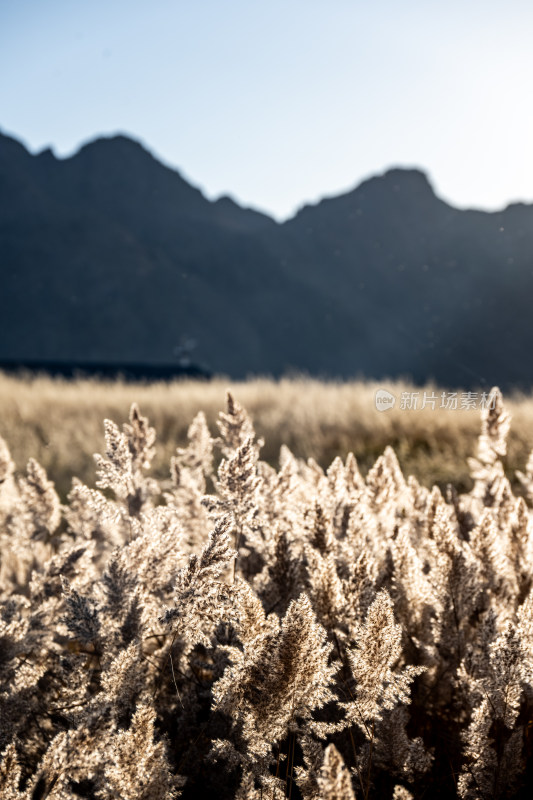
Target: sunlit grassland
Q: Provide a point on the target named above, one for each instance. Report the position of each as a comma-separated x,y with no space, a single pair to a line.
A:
60,423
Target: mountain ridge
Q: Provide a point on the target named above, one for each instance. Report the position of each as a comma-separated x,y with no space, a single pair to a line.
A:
48,151
109,254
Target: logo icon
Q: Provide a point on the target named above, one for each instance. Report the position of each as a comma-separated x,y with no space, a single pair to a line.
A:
384,400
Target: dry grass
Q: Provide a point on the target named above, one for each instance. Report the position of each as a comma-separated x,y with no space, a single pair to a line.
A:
60,424
248,633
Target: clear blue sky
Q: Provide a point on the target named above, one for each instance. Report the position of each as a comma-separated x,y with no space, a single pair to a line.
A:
282,102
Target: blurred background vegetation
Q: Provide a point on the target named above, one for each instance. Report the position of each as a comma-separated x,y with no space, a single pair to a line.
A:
60,423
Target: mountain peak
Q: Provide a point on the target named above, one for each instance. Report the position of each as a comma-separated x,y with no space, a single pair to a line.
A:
116,146
47,154
396,191
401,179
400,173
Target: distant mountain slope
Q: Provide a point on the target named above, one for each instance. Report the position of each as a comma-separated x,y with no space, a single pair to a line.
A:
442,292
110,256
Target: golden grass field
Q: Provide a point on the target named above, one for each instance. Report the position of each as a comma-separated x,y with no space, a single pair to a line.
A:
59,423
241,632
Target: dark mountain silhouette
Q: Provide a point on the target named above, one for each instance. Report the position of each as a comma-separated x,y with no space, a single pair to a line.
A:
110,257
